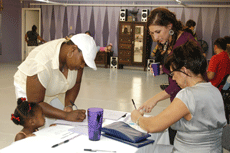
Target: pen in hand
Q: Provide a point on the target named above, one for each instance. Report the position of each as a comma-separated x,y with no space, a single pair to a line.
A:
73,104
134,104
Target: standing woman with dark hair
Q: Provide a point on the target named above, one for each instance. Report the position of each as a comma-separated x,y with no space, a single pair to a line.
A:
31,38
167,30
189,27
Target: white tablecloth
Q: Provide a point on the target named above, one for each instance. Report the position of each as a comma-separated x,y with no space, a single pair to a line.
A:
39,144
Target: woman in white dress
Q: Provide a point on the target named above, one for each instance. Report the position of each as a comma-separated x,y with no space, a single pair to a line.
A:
51,75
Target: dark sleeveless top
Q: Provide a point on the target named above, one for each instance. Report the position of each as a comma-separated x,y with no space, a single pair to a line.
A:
32,38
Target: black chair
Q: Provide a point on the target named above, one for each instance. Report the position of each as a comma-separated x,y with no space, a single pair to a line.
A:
226,98
222,83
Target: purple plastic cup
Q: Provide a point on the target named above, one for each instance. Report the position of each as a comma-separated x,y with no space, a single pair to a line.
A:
95,119
156,68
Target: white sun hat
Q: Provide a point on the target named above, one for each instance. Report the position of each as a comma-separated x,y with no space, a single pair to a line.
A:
88,47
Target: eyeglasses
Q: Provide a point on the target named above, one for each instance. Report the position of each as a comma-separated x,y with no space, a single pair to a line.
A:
171,74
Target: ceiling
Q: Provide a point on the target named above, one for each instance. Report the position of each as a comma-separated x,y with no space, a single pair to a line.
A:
185,1
134,0
172,3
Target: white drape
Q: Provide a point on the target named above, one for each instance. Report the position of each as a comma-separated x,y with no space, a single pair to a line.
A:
208,19
88,16
59,19
46,14
195,15
224,21
102,23
114,25
111,24
177,11
98,33
70,19
84,23
75,14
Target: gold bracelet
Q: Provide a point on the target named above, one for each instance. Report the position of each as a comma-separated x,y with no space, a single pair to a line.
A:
137,121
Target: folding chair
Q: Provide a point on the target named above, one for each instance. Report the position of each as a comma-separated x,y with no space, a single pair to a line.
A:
226,137
226,98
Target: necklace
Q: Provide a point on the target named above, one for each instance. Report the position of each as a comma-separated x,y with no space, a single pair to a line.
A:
165,46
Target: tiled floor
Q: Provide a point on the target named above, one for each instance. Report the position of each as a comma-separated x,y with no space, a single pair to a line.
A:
105,88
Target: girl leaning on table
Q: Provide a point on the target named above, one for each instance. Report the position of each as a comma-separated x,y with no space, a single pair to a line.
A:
30,116
197,111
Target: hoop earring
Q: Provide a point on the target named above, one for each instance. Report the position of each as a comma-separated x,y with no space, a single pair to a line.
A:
171,32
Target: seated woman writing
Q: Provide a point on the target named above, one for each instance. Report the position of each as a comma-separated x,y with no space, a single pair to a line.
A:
197,111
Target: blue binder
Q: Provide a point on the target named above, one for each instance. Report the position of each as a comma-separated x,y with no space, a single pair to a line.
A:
122,132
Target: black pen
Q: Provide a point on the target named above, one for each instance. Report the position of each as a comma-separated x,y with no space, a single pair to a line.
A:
134,104
73,104
124,115
58,144
91,150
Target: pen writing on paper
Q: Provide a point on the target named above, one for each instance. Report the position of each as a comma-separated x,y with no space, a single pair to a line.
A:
58,144
96,150
124,115
134,104
73,104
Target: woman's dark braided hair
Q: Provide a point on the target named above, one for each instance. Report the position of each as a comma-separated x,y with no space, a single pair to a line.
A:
23,111
164,17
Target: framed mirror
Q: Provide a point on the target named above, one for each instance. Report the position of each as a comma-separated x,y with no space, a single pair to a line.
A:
138,44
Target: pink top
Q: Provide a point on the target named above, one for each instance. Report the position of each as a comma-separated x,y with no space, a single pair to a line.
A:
102,48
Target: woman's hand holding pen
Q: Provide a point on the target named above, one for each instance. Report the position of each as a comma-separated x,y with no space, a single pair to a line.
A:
135,114
68,108
76,115
147,106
